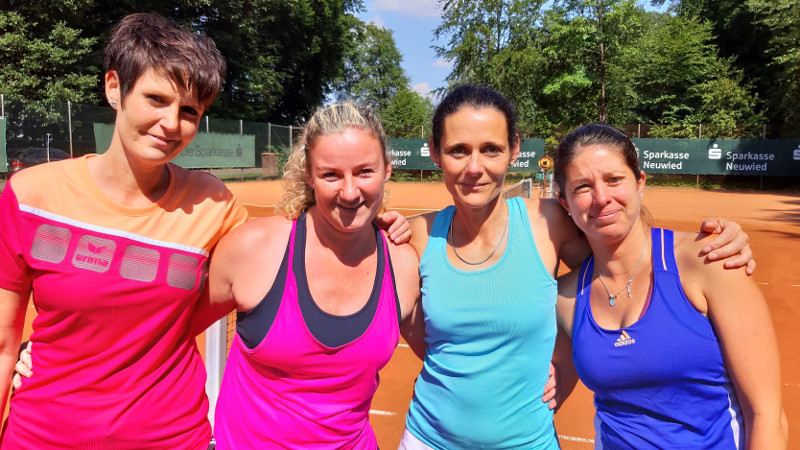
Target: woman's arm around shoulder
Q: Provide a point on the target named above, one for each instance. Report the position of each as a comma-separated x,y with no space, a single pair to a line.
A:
737,308
406,277
13,305
240,268
557,237
565,305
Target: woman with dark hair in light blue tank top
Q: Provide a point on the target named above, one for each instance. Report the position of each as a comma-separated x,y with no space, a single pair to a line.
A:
487,327
679,352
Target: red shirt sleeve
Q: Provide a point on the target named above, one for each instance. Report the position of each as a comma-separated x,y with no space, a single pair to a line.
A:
15,274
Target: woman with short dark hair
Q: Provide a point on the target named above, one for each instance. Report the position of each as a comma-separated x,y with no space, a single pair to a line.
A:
114,249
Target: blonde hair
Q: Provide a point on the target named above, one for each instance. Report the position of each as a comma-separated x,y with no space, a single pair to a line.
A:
326,120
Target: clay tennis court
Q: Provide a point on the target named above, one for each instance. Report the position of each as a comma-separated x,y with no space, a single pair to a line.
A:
772,221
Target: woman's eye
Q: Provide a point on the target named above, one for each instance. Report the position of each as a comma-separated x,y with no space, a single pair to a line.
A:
582,188
189,110
155,98
491,150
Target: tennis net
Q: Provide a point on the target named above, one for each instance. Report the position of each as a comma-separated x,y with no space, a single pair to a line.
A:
521,188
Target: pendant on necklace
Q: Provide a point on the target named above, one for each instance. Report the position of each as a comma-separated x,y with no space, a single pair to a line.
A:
612,301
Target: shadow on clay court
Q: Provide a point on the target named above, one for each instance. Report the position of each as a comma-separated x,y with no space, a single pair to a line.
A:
789,215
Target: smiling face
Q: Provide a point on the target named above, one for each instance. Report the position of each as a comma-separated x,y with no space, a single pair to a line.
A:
155,120
601,192
347,172
474,155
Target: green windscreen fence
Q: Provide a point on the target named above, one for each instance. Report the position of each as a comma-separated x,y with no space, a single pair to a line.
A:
753,157
414,154
3,156
720,156
206,151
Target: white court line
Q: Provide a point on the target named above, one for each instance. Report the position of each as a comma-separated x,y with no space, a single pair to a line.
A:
382,413
765,284
794,285
403,345
576,439
791,385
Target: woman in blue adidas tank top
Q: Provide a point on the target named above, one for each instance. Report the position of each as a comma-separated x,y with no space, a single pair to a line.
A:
486,330
679,352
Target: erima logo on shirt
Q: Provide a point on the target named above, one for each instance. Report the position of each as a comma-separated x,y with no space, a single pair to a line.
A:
624,339
94,253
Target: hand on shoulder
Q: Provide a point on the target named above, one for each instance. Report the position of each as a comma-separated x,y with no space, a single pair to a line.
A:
704,280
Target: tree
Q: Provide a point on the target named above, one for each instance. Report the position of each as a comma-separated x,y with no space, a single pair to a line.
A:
478,32
782,17
680,79
372,68
282,56
407,114
43,64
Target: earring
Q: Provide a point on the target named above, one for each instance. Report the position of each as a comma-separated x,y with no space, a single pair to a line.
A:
113,103
641,195
569,214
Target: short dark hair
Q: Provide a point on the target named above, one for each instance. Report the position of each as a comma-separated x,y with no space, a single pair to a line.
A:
143,41
476,96
593,134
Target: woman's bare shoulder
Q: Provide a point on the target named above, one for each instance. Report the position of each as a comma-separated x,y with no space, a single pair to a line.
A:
421,226
257,235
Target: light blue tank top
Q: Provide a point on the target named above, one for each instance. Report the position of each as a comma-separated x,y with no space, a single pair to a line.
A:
490,336
660,382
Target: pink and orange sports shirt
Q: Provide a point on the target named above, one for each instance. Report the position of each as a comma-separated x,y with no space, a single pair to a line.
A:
115,362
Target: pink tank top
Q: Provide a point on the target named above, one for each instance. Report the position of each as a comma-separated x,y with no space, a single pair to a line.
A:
293,391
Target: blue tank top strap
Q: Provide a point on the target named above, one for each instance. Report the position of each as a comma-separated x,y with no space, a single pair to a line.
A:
441,223
583,293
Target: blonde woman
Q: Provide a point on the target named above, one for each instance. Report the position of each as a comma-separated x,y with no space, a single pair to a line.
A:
320,295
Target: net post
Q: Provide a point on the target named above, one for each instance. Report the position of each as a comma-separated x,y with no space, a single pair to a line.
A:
216,343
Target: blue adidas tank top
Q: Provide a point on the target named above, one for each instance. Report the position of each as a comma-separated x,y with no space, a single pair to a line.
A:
661,382
490,336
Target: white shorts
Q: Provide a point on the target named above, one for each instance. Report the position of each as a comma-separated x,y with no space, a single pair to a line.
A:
410,442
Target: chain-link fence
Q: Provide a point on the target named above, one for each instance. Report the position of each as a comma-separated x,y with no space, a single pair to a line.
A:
72,127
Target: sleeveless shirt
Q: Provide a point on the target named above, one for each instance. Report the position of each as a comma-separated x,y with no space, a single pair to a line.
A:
293,391
490,338
660,382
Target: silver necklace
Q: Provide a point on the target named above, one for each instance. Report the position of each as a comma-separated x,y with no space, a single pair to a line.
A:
612,299
453,242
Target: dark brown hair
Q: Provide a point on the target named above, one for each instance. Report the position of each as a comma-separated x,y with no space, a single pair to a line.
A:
593,134
476,96
145,41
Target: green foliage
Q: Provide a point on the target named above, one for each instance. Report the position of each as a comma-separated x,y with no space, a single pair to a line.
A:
41,68
407,115
40,63
782,18
372,71
282,56
601,60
